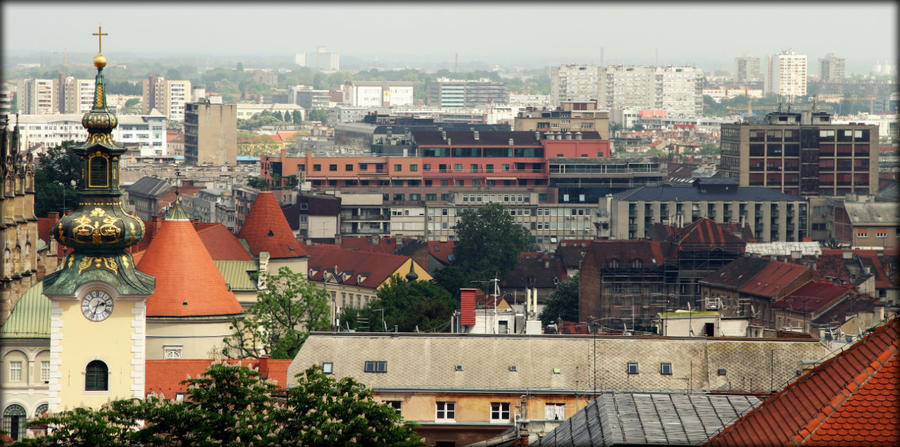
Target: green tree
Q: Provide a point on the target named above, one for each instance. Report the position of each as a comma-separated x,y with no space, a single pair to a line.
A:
318,115
452,278
297,117
56,179
562,303
489,242
323,411
411,305
287,309
230,405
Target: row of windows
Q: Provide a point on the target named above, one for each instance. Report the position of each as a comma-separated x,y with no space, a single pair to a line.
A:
16,368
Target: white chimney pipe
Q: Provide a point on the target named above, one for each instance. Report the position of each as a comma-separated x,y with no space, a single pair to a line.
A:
527,302
534,297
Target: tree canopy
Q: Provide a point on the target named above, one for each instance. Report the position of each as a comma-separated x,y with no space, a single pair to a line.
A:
406,305
56,180
230,405
488,242
279,322
562,303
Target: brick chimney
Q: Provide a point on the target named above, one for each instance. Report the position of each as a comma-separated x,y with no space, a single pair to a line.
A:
264,367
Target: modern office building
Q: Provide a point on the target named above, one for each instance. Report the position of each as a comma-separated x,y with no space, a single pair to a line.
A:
446,93
747,69
787,74
166,95
210,133
575,83
378,93
802,154
309,98
144,133
570,116
771,216
832,68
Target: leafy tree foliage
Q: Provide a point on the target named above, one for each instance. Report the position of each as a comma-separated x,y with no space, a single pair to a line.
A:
562,303
489,242
318,115
411,305
229,405
279,322
57,170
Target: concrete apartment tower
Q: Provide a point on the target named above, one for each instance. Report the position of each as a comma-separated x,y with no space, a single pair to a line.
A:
787,74
210,133
832,68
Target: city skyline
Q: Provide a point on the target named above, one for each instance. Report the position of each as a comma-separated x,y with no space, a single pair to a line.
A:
706,35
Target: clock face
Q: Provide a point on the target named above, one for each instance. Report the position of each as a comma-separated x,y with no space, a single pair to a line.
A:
97,305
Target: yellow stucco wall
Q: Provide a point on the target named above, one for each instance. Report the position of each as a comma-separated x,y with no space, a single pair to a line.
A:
198,339
83,340
471,408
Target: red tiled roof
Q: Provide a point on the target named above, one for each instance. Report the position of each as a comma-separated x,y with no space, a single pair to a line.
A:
375,267
442,251
163,376
384,245
851,399
188,283
222,244
736,273
773,279
706,233
266,229
653,254
812,297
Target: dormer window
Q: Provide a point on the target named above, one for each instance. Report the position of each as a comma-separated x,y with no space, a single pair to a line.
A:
614,263
637,264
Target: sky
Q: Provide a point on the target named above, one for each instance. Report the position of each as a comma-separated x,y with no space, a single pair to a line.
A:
707,34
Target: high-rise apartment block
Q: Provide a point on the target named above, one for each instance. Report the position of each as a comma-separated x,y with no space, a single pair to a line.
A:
78,95
802,154
210,133
676,89
445,92
38,96
831,68
575,83
787,74
378,93
321,59
167,96
747,69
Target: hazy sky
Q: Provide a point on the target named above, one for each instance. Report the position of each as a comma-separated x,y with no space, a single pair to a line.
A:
679,33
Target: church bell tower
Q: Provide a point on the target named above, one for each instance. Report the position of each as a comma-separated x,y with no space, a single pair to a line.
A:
98,297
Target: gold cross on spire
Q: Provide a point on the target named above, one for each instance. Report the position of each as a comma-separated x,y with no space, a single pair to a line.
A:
100,35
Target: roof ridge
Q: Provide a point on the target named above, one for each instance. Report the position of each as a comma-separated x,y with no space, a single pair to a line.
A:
805,377
846,393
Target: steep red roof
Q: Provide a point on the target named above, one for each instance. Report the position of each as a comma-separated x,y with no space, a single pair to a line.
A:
266,229
374,267
707,234
812,297
162,377
736,273
188,283
773,279
222,244
442,251
850,399
652,254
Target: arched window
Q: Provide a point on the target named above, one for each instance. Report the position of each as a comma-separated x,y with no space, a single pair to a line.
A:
14,421
40,410
637,264
98,171
96,376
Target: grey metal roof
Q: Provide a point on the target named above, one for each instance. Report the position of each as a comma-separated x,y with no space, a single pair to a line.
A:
642,418
149,186
872,213
681,193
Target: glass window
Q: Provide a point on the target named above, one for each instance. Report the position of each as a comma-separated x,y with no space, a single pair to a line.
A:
413,168
14,421
332,167
15,371
426,167
317,167
45,371
395,404
96,376
376,366
328,368
445,411
555,411
348,167
632,368
499,411
665,369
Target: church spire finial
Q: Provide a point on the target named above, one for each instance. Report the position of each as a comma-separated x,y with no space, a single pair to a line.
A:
100,60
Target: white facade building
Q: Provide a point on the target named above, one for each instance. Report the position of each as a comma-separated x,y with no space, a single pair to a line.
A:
321,59
676,89
575,83
246,111
168,96
79,95
37,96
378,94
41,132
787,74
